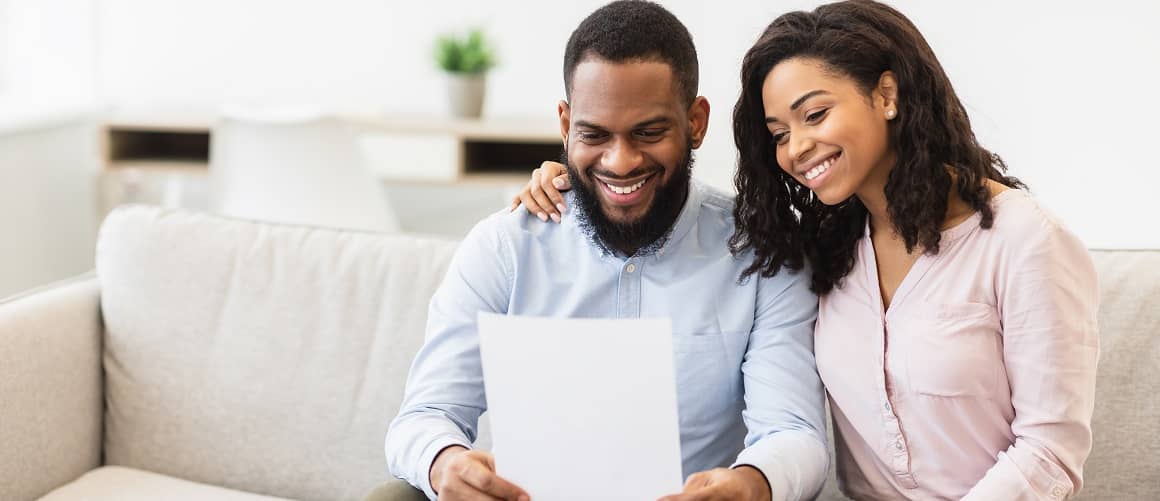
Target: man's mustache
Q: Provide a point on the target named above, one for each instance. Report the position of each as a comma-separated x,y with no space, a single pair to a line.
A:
635,173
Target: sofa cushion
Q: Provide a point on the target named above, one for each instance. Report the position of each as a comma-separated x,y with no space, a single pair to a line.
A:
1123,462
116,483
260,357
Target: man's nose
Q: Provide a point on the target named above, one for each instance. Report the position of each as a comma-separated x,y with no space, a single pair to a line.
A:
622,158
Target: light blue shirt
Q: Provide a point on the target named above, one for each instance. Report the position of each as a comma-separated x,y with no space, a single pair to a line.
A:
748,391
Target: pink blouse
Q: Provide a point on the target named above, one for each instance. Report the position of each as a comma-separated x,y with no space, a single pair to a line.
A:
979,381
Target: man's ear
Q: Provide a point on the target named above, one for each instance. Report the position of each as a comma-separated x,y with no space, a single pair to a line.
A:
886,94
698,120
565,121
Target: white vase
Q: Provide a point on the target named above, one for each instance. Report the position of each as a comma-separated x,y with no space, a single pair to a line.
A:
465,93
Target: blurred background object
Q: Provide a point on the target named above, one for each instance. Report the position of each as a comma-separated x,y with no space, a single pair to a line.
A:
465,61
294,166
132,90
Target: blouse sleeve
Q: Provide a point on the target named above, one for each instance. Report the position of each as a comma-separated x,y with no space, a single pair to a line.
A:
1048,298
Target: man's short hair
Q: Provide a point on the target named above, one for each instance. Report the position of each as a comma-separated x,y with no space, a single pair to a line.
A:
631,31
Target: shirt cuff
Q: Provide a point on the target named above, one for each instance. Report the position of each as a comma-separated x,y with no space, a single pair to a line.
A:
794,463
1021,474
428,457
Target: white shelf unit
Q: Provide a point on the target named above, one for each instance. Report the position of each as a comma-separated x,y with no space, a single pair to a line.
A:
403,148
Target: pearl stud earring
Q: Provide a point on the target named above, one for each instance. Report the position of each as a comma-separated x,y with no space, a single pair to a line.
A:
890,114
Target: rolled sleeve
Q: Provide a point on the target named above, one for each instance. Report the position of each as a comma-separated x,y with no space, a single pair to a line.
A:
789,460
785,409
445,397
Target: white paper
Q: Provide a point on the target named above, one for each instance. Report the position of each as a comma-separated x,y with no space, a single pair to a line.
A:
582,409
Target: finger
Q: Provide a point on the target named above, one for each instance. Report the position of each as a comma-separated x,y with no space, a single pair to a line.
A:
550,182
531,202
545,207
562,182
554,170
486,481
515,204
464,492
484,457
696,480
525,197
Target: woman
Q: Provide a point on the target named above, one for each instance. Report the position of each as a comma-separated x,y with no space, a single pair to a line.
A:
956,332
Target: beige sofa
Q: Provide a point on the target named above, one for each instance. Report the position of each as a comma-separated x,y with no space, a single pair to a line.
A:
217,359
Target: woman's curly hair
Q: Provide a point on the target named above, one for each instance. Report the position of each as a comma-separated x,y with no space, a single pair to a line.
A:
781,220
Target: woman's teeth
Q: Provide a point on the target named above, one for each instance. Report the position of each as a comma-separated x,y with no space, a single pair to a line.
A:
820,169
624,190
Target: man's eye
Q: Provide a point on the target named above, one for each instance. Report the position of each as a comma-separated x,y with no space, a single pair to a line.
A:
590,136
816,116
650,132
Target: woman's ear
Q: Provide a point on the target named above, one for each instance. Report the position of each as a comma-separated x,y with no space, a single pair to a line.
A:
886,94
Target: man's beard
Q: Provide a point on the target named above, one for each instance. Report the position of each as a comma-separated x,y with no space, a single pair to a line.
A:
648,232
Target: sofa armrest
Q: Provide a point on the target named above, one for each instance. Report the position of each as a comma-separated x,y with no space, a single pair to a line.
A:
51,390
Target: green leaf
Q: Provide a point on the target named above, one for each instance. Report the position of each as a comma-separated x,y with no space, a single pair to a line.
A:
470,54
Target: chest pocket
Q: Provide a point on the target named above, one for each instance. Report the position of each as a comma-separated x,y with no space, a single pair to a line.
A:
708,372
711,342
956,351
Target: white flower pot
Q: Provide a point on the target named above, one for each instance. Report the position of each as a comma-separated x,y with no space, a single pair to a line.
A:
465,94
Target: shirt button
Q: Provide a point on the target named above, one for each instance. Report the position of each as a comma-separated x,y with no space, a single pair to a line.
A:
630,268
898,444
886,405
1057,492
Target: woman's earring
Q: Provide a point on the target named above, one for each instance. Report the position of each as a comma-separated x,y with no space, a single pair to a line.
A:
890,114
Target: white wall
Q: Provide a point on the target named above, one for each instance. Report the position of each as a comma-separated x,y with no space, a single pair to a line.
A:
1062,89
47,205
49,51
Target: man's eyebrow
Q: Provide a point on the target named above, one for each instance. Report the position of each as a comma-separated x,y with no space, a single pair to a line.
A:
638,125
798,102
589,125
652,121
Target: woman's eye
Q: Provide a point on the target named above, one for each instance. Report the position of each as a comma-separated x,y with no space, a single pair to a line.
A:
780,137
816,116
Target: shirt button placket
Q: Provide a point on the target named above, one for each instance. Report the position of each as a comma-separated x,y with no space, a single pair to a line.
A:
901,460
628,302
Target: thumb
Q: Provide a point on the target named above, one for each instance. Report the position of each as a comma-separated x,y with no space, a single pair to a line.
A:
488,461
562,182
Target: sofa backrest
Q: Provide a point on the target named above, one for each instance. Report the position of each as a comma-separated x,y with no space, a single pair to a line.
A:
260,357
1125,458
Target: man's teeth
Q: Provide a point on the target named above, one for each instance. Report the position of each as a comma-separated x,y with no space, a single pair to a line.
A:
624,190
820,169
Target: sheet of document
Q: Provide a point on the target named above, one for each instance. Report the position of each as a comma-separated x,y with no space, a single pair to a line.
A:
582,409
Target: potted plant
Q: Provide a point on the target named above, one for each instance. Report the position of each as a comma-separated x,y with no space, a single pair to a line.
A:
466,61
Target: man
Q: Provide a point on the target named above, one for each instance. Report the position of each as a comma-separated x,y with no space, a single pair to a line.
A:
643,240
